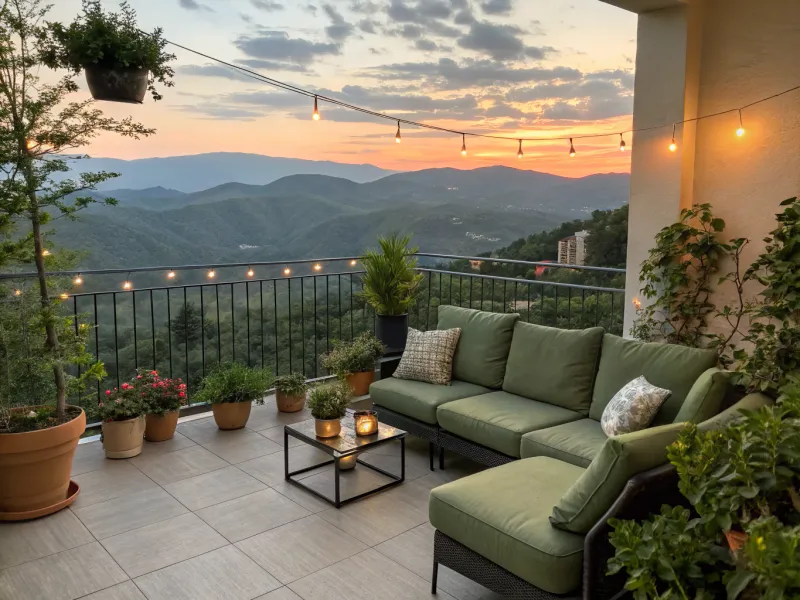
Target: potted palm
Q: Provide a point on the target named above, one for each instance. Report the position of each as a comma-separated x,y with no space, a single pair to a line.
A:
231,390
164,398
117,57
391,285
328,404
122,413
290,392
354,361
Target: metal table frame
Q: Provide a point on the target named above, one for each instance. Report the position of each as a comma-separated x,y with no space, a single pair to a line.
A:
337,500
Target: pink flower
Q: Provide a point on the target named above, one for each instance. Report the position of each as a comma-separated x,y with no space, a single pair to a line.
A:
108,392
138,377
182,394
155,385
100,404
153,372
125,386
118,400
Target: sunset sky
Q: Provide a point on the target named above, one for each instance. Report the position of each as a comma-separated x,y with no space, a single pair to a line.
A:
517,68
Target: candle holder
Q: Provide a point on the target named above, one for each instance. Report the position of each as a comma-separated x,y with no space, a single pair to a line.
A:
366,422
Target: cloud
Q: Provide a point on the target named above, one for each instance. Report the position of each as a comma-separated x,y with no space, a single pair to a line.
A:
496,7
267,5
194,5
426,14
277,45
464,17
339,29
590,110
212,70
222,112
426,45
364,7
500,42
368,25
272,65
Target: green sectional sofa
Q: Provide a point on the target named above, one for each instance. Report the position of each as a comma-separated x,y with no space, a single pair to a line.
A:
528,399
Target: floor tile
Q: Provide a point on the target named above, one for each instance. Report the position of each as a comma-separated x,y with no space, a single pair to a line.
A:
119,478
267,417
200,431
414,551
215,487
89,457
123,591
417,465
119,515
178,442
283,593
276,435
365,576
224,574
270,469
300,548
64,576
178,465
356,481
252,514
162,544
305,499
242,447
23,542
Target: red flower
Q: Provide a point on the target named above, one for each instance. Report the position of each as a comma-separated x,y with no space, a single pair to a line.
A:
125,386
138,377
182,394
108,392
153,372
155,385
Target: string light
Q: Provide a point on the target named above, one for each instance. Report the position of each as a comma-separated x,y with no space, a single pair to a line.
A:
519,152
353,263
463,145
317,267
171,275
397,137
571,149
287,271
211,274
18,292
78,280
45,252
621,143
672,145
64,295
250,272
740,131
127,283
316,116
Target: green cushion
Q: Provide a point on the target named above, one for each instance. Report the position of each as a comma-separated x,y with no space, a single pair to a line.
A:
621,457
675,368
749,402
498,420
577,442
552,365
502,514
705,398
482,349
418,399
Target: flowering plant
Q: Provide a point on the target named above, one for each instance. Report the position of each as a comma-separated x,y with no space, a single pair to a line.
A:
122,404
161,394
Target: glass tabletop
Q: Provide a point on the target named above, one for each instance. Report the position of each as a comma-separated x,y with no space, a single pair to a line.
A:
347,440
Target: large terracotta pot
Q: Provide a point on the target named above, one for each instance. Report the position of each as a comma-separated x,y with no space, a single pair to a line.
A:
290,404
160,428
35,468
123,439
360,382
327,428
231,415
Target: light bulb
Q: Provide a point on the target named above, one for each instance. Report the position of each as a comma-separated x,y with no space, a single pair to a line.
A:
519,152
287,271
397,137
18,292
673,146
45,252
211,274
250,272
571,149
78,280
30,144
171,275
64,295
316,116
353,263
317,267
621,143
463,145
637,304
127,285
740,131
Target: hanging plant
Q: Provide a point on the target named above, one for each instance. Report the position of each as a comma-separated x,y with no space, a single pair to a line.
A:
121,62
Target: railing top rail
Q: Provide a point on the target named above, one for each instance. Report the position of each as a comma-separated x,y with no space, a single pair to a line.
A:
575,286
509,261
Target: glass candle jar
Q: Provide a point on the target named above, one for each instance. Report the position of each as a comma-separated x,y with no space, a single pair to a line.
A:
366,422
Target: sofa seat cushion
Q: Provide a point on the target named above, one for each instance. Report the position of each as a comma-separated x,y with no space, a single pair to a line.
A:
498,420
417,399
503,515
577,442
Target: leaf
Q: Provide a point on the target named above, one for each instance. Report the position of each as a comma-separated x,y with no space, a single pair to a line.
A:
738,583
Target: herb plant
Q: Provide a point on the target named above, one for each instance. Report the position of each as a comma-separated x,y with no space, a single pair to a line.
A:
234,382
391,283
329,400
292,385
355,356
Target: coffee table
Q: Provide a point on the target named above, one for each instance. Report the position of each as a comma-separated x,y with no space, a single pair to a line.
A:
346,444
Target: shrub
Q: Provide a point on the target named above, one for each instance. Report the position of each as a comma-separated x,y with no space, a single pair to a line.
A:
391,283
293,384
329,400
161,394
355,356
235,382
122,404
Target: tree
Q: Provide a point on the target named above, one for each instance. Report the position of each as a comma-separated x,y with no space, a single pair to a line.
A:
188,325
39,124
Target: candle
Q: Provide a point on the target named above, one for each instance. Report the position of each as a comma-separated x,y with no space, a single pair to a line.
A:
366,422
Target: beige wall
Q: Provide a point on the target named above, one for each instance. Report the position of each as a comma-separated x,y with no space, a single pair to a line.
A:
733,52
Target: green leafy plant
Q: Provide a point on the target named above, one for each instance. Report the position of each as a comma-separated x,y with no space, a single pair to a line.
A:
293,384
110,40
161,394
329,400
391,283
234,382
355,356
122,404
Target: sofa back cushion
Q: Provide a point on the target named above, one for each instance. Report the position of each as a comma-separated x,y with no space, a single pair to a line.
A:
669,366
482,349
552,365
705,398
621,457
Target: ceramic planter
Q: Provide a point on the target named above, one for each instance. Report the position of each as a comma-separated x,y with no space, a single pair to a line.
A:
327,428
231,415
35,468
360,382
348,463
160,428
289,404
392,331
117,85
123,439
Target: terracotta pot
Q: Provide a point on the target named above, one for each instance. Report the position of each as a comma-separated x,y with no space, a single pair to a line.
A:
231,415
736,539
123,439
290,404
117,85
35,468
160,428
360,382
327,428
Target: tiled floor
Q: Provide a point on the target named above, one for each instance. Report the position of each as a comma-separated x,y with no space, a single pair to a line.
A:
208,516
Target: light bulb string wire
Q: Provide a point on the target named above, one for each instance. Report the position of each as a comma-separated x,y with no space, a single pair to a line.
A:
298,90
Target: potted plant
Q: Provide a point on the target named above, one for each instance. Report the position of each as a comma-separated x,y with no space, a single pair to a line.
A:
328,403
164,398
231,390
122,413
354,361
290,392
391,285
117,57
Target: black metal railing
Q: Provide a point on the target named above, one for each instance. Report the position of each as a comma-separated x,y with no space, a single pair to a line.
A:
285,315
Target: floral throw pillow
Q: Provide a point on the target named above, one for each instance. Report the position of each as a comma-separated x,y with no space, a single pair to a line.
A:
428,356
633,407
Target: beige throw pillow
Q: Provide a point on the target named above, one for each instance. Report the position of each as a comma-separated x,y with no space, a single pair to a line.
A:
428,356
633,407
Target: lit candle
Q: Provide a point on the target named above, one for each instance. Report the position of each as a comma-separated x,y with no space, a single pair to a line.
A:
366,422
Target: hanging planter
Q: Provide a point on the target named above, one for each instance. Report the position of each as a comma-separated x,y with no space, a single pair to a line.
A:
121,62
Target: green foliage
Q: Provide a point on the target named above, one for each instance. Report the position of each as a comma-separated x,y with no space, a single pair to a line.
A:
329,400
161,394
110,40
355,356
121,404
391,283
293,384
188,326
234,382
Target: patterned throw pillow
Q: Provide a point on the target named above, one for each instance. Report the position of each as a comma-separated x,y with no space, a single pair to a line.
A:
428,356
633,407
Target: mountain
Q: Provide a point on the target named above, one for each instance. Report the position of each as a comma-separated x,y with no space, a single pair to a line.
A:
202,171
